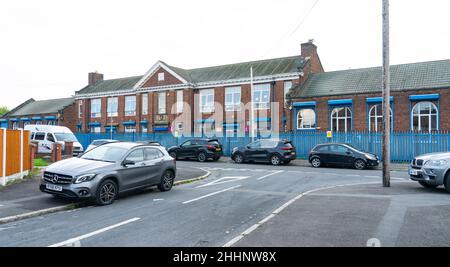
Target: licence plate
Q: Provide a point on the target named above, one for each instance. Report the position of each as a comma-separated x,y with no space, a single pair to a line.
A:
413,172
218,149
293,153
54,187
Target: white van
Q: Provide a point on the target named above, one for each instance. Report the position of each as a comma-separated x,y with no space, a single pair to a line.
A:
47,135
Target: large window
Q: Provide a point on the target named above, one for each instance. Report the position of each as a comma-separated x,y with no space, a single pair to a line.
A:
144,104
306,119
112,107
96,108
376,118
287,86
130,105
162,103
424,117
341,119
80,109
207,101
261,96
233,98
179,101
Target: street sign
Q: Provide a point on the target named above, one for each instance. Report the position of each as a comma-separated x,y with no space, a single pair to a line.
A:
329,134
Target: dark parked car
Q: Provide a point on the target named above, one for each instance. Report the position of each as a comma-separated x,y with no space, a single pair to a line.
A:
341,155
104,172
265,150
200,149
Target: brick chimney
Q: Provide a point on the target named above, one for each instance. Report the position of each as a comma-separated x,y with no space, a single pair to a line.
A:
95,77
309,50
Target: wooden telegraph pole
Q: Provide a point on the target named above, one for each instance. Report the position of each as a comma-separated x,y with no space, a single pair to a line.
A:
386,98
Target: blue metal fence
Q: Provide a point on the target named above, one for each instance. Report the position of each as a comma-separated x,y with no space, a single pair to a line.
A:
404,145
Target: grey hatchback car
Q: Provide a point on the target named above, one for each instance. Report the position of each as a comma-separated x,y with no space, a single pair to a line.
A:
431,170
103,173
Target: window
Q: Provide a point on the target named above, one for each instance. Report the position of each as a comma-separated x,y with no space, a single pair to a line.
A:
152,153
306,119
50,138
287,86
14,126
162,103
261,96
96,107
130,128
207,101
179,101
80,109
376,118
338,149
39,136
130,105
113,103
341,119
38,122
269,144
233,98
26,123
144,104
136,155
254,145
161,76
50,122
424,117
144,128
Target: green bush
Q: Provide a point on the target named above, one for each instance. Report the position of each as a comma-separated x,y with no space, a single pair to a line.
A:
40,163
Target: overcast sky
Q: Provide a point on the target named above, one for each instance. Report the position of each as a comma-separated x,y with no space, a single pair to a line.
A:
47,47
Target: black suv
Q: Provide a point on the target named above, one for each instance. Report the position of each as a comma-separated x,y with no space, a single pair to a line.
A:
341,155
265,150
200,149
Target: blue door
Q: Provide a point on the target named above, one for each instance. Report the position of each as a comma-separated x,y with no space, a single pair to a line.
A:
3,125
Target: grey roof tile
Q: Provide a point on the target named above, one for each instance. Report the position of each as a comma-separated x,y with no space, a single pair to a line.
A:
42,107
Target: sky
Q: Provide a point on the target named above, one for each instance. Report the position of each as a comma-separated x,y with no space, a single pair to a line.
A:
48,47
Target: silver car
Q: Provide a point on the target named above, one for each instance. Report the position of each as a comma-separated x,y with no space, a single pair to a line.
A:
431,170
108,170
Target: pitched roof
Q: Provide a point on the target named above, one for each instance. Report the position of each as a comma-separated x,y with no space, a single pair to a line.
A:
110,85
424,75
41,107
209,74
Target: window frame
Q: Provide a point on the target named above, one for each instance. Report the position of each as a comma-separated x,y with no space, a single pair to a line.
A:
161,76
109,107
315,119
259,89
144,103
162,102
97,103
347,109
207,107
130,106
80,109
287,91
429,115
235,104
179,105
372,108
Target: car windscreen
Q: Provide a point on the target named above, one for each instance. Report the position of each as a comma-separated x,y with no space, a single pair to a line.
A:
66,137
105,153
352,147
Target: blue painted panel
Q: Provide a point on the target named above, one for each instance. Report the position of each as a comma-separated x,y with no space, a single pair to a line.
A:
161,129
3,124
14,120
25,119
263,119
231,125
144,122
377,99
205,121
95,124
305,104
424,97
50,118
37,118
340,102
3,120
129,123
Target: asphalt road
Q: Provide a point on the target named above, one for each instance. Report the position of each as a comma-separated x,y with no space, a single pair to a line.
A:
207,213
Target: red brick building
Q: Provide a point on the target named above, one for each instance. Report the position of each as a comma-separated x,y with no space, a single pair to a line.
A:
216,99
351,99
59,111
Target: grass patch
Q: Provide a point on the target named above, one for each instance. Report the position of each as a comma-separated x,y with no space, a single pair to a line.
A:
40,162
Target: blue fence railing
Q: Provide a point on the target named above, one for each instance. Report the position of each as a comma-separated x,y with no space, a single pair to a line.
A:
404,145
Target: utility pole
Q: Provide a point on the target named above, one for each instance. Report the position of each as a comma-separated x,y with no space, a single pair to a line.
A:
386,98
252,110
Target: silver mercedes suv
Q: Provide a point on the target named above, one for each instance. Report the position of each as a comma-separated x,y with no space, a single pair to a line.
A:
102,173
431,170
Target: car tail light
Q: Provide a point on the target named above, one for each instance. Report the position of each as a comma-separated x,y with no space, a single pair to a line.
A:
211,147
286,148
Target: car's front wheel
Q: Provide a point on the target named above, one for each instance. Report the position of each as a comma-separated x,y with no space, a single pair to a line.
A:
275,160
106,193
166,181
359,164
238,158
316,162
427,185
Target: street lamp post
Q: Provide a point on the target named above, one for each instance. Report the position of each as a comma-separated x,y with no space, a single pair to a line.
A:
386,97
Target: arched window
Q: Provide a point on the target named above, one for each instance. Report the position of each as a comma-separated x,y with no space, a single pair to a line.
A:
306,119
424,117
341,119
376,118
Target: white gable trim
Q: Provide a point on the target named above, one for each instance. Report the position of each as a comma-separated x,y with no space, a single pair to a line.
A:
153,70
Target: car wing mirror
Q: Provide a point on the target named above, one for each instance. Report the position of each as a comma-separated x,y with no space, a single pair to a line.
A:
126,163
349,153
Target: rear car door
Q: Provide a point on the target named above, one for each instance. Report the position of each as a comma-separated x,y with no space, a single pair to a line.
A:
154,160
267,147
135,175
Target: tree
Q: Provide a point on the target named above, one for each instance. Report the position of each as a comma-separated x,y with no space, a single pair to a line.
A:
3,110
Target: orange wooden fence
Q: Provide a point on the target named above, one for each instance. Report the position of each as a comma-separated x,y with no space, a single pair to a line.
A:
13,153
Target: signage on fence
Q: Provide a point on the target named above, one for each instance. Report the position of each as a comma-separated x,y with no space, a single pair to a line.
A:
329,134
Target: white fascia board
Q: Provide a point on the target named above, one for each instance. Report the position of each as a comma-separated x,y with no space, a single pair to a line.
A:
260,79
153,70
106,94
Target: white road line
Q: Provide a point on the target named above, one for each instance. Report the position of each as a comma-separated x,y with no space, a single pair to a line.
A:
270,174
226,179
212,194
372,176
76,240
353,175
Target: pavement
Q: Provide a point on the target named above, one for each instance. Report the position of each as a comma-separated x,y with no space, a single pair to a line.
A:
404,215
210,212
25,197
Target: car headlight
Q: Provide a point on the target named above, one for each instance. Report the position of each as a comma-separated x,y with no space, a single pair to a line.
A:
371,157
84,178
436,163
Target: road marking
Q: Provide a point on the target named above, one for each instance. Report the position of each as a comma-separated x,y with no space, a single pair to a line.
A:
211,194
223,180
352,175
372,176
158,199
76,240
270,174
